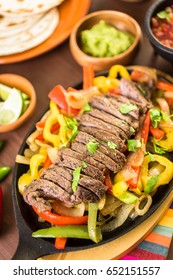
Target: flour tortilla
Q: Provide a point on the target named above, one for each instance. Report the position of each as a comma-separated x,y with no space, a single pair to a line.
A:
26,7
31,37
11,26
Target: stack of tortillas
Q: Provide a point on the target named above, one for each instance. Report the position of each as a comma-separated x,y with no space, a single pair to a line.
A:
24,24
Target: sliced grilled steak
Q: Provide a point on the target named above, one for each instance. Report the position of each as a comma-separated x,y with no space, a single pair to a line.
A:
133,113
88,120
95,186
73,163
83,157
52,174
128,89
40,191
106,105
110,164
105,136
114,154
108,118
85,195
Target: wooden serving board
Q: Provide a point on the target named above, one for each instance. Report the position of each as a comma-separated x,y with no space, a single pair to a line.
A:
121,246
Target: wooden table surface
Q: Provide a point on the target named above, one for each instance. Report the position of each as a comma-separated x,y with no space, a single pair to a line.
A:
44,72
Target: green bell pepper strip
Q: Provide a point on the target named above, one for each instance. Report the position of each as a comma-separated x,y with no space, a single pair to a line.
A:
71,231
93,230
4,171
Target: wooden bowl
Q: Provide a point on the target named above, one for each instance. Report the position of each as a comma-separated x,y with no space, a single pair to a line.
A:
21,83
121,21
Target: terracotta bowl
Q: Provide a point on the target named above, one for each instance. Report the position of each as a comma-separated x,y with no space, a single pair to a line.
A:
24,85
119,20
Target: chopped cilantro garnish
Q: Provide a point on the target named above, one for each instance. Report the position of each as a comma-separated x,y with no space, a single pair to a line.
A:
132,129
133,145
156,115
86,108
112,145
126,108
159,150
92,145
164,15
76,177
72,125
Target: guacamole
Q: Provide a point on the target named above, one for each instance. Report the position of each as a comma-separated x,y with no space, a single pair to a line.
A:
104,40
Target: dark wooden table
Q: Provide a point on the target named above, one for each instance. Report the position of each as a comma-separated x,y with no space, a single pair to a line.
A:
44,72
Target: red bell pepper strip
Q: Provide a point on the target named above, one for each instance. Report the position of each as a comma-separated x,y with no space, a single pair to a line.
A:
156,132
58,94
144,137
58,220
108,182
60,243
115,91
88,76
166,86
1,195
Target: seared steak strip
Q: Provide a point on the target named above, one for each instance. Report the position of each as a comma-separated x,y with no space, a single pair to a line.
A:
88,120
73,163
114,154
105,136
109,163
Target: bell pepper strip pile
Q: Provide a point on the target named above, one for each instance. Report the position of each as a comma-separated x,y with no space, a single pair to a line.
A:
1,200
58,220
163,173
58,95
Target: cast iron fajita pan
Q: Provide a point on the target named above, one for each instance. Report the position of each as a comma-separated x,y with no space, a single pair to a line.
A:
30,248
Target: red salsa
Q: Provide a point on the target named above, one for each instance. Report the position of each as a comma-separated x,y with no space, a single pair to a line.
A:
162,26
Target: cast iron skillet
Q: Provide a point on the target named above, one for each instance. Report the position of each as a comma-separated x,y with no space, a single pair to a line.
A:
27,221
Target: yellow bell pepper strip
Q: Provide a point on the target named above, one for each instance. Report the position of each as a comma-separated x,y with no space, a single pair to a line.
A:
1,197
161,177
24,180
68,231
4,171
58,220
167,143
94,231
119,190
47,135
35,162
105,84
118,69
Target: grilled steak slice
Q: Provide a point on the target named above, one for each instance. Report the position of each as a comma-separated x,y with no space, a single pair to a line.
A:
83,157
128,89
108,118
85,195
114,154
95,186
39,191
73,163
106,105
105,136
52,174
133,113
110,164
88,120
